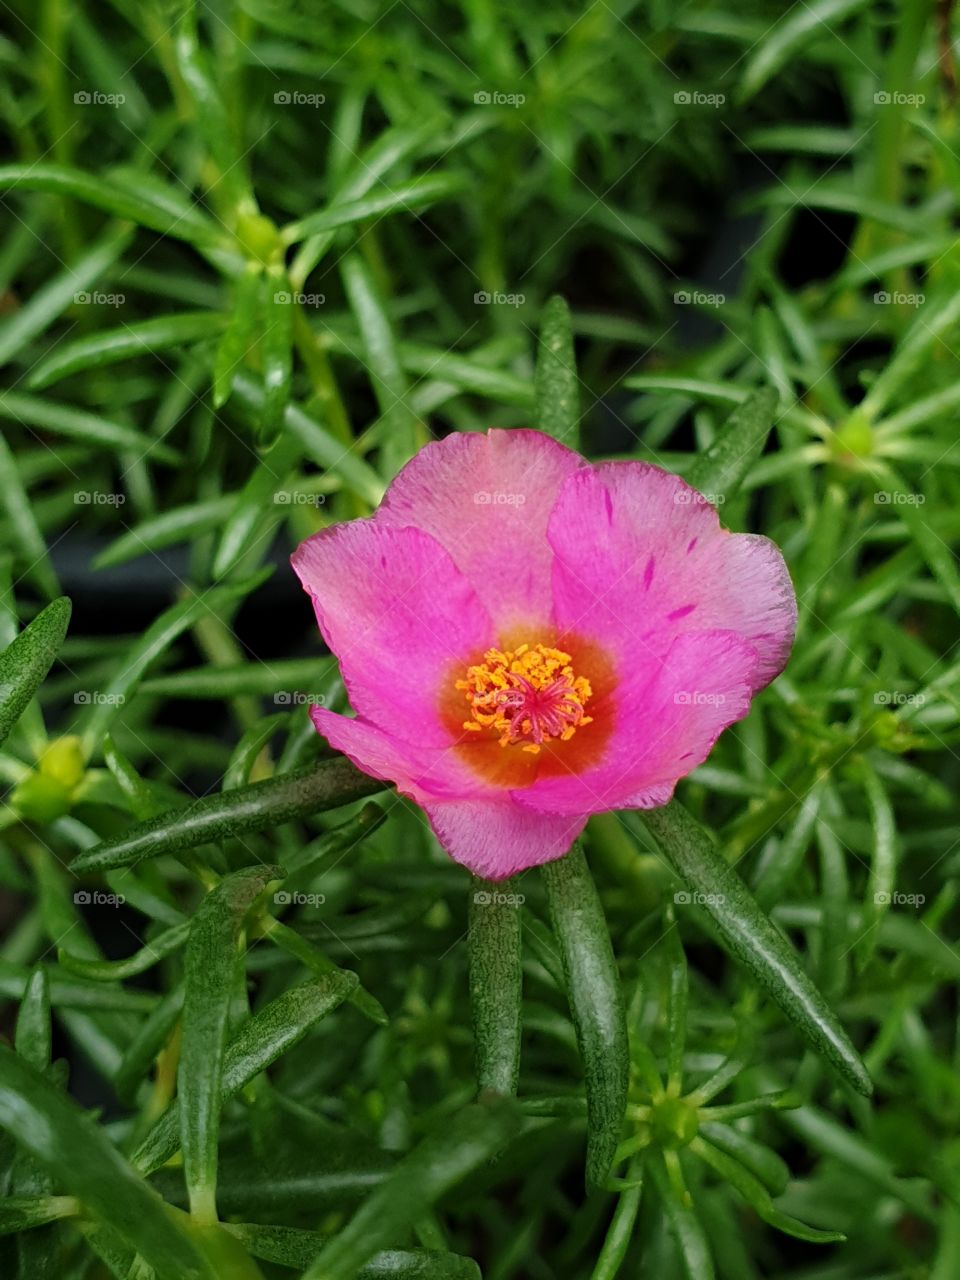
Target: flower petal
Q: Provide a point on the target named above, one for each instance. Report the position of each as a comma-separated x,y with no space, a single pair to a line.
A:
398,614
664,728
487,499
641,558
496,838
418,771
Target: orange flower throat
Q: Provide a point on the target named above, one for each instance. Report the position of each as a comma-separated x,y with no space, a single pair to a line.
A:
528,695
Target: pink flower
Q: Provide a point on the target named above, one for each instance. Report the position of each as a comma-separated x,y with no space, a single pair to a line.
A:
528,639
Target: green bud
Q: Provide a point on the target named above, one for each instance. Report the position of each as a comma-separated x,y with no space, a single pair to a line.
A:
40,798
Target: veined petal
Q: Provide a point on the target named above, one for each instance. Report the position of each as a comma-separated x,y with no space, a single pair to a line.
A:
641,558
496,838
664,728
487,497
398,614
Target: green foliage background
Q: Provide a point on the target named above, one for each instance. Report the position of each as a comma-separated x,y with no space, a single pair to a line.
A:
254,255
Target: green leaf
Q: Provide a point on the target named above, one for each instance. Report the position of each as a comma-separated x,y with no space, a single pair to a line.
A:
33,1037
56,1133
177,524
752,939
557,384
757,1196
110,346
723,466
21,1213
695,1257
218,817
158,637
620,1232
129,196
382,362
261,1040
48,415
440,1162
318,443
285,677
796,27
59,293
292,1247
164,944
24,529
596,1003
415,194
212,963
25,662
496,984
152,1034
277,350
241,334
760,1160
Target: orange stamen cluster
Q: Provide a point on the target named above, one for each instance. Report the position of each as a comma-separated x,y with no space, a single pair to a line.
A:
528,695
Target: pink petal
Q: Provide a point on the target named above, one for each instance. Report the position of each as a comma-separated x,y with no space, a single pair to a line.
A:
419,771
487,499
401,618
496,838
665,726
641,558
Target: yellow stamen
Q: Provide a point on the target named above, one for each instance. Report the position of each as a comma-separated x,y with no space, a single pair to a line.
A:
528,695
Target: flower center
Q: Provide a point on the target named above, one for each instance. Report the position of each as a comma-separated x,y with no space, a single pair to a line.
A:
528,695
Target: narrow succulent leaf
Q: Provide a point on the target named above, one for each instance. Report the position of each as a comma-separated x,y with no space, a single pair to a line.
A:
752,939
496,984
557,386
61,1137
212,960
92,428
25,662
164,944
695,1257
218,817
33,1035
261,1040
293,1247
23,528
596,1003
722,467
434,1168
